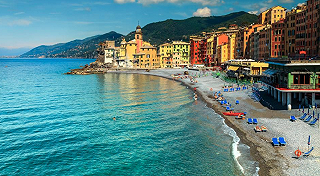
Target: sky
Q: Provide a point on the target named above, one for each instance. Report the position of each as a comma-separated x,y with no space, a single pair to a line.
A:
30,23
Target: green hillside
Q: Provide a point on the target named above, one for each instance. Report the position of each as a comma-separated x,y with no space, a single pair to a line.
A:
155,33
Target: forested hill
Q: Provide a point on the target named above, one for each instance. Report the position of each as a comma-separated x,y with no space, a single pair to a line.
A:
155,33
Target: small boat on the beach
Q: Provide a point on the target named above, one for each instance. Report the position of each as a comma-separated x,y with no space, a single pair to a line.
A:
264,129
257,129
233,113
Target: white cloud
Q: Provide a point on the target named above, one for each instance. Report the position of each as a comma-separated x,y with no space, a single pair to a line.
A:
147,2
123,1
286,1
205,12
83,9
254,12
300,4
13,21
19,13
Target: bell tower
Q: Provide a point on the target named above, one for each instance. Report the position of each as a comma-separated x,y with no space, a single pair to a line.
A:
138,38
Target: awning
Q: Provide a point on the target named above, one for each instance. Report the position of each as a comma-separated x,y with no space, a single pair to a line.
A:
233,68
270,72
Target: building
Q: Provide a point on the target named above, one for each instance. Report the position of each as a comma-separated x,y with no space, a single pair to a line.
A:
247,68
264,42
137,53
294,79
277,39
146,58
181,50
300,31
275,14
311,42
196,44
243,42
166,51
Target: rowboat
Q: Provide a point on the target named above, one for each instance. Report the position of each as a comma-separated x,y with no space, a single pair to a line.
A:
233,113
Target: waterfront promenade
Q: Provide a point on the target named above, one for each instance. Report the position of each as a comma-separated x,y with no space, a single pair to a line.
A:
279,160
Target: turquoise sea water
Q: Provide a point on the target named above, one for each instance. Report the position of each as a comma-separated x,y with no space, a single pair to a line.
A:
55,124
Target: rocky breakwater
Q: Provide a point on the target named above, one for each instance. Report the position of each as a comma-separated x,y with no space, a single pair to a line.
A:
92,68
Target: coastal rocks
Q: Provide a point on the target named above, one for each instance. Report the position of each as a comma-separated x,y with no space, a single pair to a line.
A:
93,68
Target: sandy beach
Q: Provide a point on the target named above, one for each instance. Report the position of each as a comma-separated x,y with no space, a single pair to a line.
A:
278,160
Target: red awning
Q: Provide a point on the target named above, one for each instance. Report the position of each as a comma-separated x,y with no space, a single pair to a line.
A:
302,52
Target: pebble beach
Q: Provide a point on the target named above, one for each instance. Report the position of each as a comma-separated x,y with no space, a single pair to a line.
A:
273,160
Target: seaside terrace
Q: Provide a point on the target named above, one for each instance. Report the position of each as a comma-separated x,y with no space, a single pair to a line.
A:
293,78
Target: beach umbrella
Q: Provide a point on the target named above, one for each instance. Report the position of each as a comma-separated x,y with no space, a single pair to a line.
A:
303,109
309,140
308,111
299,107
313,114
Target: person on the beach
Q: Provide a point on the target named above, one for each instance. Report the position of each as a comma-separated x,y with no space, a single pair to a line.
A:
114,118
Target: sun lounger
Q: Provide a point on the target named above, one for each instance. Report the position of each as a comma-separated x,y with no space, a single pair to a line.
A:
237,102
264,129
308,153
228,108
255,121
308,119
293,118
282,141
257,129
303,116
250,121
275,142
314,121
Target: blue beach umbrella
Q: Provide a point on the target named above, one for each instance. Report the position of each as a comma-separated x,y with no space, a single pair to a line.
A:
303,109
299,107
309,140
313,114
308,111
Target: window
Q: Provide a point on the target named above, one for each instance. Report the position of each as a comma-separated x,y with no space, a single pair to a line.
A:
301,79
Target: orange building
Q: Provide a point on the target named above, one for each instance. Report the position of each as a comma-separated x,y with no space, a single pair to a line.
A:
242,40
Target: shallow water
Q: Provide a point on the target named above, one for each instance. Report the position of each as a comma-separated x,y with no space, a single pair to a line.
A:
55,124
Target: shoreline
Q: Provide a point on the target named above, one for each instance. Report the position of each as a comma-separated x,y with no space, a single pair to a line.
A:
265,166
273,160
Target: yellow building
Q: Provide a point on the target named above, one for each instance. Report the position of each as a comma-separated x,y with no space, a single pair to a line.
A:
275,14
138,53
182,49
165,51
146,58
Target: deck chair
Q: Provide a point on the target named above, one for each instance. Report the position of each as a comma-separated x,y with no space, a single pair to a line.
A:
303,116
293,118
255,121
308,119
237,102
282,141
275,142
308,153
314,121
228,108
250,121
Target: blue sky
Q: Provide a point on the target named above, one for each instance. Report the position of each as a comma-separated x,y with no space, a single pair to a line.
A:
30,23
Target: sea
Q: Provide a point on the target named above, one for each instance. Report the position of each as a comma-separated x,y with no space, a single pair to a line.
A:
109,124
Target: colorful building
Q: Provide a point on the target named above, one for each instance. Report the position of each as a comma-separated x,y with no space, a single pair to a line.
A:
181,50
275,14
294,79
196,44
277,39
166,51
